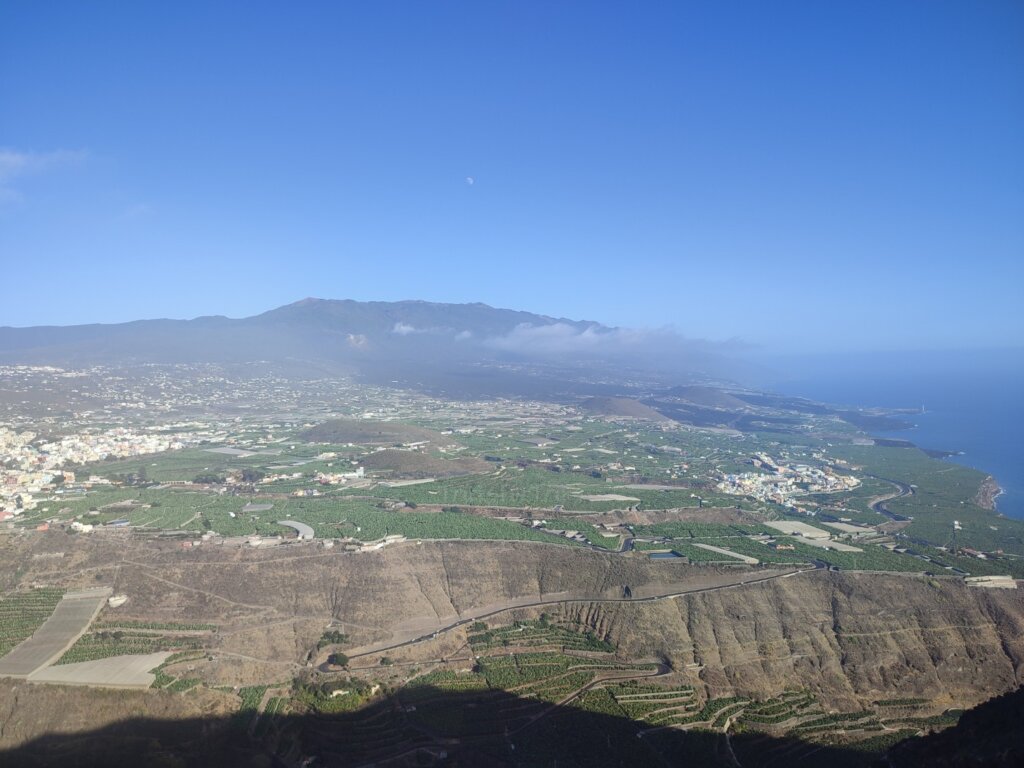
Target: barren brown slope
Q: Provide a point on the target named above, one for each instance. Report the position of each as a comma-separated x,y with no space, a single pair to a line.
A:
848,637
710,397
28,711
621,407
370,432
418,464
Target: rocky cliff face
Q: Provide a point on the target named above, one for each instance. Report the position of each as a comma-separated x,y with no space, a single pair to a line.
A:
987,493
850,638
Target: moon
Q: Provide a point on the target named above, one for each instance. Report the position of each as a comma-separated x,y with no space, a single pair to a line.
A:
470,180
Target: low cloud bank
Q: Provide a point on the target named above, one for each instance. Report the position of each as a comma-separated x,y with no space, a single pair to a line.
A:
661,348
562,338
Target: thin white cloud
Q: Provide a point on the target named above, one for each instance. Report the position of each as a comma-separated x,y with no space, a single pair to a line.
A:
558,338
404,329
661,347
17,164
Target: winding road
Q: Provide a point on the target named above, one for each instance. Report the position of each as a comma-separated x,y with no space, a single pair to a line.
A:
879,504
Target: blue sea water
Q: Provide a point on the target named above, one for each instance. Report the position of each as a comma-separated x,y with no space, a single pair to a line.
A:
973,402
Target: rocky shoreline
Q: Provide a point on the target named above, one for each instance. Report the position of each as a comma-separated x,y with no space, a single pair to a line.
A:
987,494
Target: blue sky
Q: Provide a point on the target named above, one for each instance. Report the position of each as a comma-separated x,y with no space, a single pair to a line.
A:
798,175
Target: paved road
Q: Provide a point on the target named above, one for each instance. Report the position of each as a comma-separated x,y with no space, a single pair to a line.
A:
68,622
583,599
903,490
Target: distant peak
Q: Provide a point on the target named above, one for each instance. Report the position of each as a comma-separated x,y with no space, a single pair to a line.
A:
306,301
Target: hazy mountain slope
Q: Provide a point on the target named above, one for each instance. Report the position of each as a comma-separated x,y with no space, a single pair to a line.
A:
380,318
707,396
312,327
458,348
621,407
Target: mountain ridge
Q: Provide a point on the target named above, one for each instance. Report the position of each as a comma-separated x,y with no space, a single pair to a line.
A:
382,341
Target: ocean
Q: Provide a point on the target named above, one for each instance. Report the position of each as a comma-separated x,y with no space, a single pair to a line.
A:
973,403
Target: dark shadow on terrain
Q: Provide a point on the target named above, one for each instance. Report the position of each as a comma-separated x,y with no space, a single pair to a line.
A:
990,734
419,727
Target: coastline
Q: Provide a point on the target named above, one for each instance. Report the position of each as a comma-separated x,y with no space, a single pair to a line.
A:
988,493
989,490
971,402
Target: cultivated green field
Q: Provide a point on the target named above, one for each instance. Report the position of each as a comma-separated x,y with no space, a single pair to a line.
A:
543,489
102,644
631,703
943,492
22,613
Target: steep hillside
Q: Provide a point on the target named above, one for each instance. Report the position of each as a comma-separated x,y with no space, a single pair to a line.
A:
848,637
850,640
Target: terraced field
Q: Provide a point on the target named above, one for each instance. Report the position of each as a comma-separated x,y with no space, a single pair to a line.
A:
535,633
684,529
518,683
174,682
582,526
536,679
22,613
657,705
102,644
736,539
70,617
251,697
795,717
